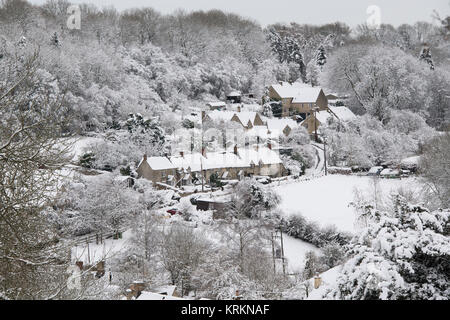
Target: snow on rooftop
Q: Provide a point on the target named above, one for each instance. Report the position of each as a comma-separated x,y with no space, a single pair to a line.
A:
217,104
299,92
307,95
288,90
160,163
234,94
263,133
217,115
246,116
262,154
280,124
411,160
341,113
192,161
216,160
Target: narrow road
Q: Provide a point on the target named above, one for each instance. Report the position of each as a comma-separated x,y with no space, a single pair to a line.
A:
320,159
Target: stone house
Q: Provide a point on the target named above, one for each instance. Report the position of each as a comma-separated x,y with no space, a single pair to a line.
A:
185,169
298,98
314,121
157,169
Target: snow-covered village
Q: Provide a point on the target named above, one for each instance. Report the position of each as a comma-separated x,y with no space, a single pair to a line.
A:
156,154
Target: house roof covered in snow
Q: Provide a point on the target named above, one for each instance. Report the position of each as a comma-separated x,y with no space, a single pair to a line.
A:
192,161
234,94
263,133
159,163
217,104
216,160
217,115
299,92
279,125
258,155
246,116
341,113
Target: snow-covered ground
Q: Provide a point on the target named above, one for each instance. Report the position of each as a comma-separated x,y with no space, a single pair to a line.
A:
80,144
295,250
326,199
98,252
329,279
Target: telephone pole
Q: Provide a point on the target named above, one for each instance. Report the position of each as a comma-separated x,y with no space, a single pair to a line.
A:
325,155
275,254
315,124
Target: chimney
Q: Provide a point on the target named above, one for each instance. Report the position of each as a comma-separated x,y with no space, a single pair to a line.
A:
204,152
145,157
238,296
317,281
269,145
281,83
182,154
235,150
239,108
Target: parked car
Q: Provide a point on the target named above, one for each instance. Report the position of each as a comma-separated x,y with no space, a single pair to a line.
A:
193,199
176,197
375,171
173,211
390,173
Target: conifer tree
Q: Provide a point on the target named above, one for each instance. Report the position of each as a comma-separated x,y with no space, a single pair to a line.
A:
425,55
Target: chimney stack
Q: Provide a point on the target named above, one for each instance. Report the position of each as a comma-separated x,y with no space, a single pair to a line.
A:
269,145
317,281
239,108
203,115
145,157
204,152
235,149
182,154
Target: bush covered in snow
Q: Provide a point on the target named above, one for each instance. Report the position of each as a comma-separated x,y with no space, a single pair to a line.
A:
299,227
402,254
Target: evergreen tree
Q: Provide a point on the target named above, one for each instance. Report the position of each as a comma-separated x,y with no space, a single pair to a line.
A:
425,55
54,41
321,57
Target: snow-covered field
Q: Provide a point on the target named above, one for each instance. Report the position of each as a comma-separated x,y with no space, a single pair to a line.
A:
295,250
326,199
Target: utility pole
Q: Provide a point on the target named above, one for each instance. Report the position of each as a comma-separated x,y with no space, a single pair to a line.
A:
315,124
201,172
282,252
325,154
89,254
273,255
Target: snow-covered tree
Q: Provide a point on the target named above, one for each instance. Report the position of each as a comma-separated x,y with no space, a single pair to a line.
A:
402,254
251,198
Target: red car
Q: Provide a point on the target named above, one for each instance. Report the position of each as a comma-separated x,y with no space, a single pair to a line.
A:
173,211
